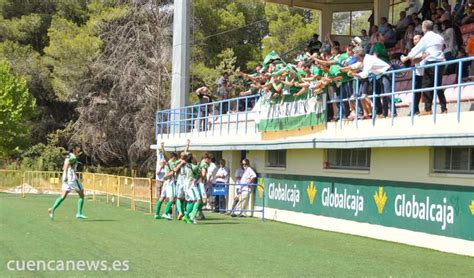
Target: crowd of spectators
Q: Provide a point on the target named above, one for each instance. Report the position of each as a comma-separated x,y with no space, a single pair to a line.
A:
425,36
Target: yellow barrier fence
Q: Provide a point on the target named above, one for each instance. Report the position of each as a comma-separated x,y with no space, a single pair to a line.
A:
118,190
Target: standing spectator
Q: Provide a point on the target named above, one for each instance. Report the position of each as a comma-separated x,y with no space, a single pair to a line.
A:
408,38
365,39
432,44
378,48
403,23
211,177
221,181
224,87
249,177
204,108
238,176
390,37
314,44
413,6
417,22
418,61
383,27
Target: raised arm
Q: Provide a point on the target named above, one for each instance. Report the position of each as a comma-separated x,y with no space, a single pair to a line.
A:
162,150
186,148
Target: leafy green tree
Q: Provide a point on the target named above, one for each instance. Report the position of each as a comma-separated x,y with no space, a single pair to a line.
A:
73,48
289,28
16,107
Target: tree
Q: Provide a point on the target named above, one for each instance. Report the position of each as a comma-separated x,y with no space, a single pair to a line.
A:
125,86
289,28
16,107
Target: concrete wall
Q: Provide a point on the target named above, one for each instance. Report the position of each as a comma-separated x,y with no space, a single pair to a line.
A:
394,164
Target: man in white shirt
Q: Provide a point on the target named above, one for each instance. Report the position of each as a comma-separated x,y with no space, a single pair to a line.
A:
371,64
432,45
249,177
221,181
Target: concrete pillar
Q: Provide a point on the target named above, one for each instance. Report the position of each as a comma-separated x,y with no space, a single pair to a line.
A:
380,10
326,21
181,55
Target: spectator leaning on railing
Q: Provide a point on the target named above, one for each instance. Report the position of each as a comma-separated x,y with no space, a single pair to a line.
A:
432,44
204,99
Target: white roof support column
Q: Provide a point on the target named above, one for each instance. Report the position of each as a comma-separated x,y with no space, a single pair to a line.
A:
326,21
380,10
181,55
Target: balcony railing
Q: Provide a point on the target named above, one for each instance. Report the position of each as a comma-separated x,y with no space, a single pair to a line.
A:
237,116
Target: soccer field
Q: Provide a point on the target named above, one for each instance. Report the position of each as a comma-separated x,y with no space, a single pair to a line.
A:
218,246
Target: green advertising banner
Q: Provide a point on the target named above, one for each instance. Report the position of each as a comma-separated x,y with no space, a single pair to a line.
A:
436,209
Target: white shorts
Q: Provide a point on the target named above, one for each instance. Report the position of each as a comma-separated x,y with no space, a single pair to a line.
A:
74,185
179,191
192,194
168,190
202,190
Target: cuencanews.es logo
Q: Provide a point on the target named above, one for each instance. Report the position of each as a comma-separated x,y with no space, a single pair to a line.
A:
380,198
311,190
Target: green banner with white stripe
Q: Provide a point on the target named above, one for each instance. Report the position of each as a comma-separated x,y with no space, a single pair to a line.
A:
288,112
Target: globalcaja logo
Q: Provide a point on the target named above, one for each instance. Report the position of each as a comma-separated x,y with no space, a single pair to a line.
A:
260,187
472,207
311,190
380,198
284,193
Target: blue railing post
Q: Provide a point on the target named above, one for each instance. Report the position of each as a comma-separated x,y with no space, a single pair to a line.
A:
340,107
206,119
237,116
413,87
435,95
246,112
458,108
373,99
392,102
228,117
169,124
199,119
357,102
220,116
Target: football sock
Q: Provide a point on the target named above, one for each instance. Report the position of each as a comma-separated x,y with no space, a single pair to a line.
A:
195,210
58,201
158,207
189,208
80,204
168,207
179,205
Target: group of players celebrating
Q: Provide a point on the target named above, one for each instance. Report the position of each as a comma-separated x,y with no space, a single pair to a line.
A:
183,184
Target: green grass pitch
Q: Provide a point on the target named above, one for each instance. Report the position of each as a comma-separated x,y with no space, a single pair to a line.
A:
219,246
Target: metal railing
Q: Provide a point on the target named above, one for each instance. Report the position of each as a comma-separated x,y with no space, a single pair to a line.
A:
118,190
237,117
